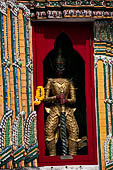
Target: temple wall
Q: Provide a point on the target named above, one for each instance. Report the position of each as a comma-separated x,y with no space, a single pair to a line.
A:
103,87
18,139
102,116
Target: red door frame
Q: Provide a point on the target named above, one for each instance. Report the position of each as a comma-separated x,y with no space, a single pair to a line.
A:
91,158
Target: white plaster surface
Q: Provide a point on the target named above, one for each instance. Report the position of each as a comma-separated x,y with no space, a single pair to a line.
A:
75,167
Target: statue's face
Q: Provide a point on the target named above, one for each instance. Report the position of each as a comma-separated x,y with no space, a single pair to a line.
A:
60,65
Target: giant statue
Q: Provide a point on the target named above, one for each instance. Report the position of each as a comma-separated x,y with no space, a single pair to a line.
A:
60,92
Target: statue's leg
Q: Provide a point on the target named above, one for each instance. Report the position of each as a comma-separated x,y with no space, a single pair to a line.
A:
72,147
73,131
50,128
51,147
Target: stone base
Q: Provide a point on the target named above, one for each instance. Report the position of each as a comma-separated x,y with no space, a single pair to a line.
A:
26,168
74,167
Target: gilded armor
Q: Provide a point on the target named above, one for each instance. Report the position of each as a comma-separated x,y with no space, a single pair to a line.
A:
55,87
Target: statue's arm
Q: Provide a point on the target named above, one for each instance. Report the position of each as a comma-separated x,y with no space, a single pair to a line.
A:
72,94
49,98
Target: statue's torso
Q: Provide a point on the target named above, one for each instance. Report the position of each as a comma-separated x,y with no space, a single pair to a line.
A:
60,85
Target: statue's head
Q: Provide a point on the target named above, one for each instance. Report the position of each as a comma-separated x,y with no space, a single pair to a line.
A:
62,48
60,64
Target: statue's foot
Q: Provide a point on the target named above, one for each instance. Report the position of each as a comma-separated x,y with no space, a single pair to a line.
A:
72,147
51,147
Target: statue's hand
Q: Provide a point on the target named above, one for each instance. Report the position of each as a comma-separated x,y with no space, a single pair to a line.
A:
63,101
61,98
